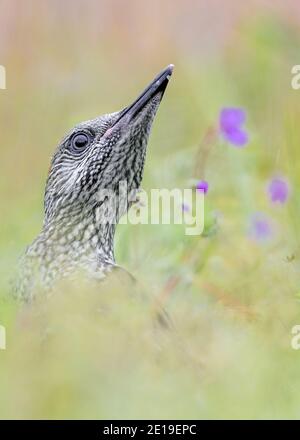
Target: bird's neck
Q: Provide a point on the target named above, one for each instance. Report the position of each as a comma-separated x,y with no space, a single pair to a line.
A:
80,237
65,246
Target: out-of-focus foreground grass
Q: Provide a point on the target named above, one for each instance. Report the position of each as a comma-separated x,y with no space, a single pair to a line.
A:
95,352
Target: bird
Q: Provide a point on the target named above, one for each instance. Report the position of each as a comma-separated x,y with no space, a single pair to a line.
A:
85,197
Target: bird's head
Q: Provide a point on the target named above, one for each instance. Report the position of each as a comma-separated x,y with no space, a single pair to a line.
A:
99,154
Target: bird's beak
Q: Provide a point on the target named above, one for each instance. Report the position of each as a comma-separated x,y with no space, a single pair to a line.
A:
158,85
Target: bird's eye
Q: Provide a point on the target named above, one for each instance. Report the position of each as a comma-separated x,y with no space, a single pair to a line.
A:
80,141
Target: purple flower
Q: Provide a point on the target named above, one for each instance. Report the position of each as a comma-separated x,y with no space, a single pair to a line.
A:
278,190
202,186
231,122
260,228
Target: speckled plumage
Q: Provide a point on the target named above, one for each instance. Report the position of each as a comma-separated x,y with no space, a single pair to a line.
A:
75,236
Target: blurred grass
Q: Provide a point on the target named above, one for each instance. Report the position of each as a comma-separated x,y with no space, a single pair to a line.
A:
95,352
